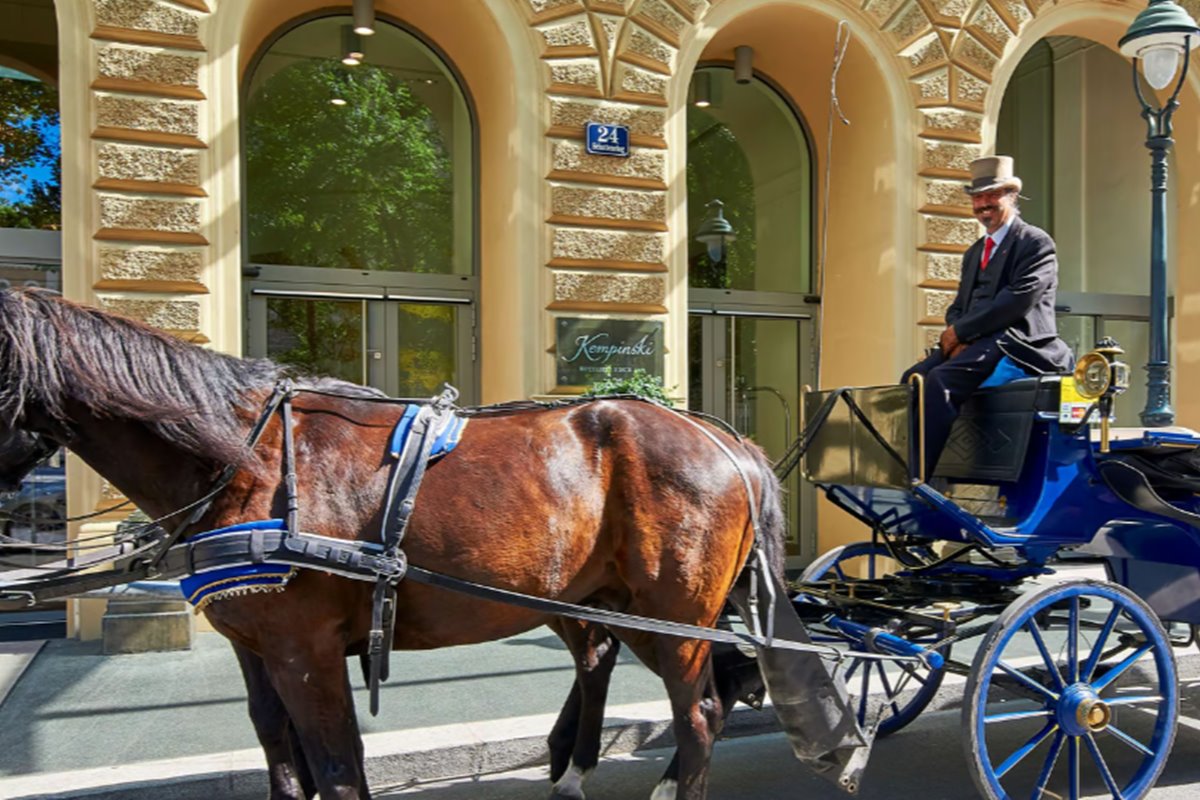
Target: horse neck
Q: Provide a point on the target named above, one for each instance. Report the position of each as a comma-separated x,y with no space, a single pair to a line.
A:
157,476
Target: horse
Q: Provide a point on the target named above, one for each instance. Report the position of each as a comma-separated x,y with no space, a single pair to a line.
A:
627,505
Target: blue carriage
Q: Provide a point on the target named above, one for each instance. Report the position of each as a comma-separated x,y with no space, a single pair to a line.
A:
1072,688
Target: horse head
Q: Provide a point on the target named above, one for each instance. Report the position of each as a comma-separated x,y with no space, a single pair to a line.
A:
20,452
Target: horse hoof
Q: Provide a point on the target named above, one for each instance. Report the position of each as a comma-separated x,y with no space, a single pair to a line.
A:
666,790
565,793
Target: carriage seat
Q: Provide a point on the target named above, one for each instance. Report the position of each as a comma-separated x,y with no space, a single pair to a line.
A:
988,441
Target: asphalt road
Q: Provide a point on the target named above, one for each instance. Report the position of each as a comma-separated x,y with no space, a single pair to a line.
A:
923,762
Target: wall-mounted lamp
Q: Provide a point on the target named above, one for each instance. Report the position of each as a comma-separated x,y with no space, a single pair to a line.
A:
364,17
715,232
702,90
352,47
743,63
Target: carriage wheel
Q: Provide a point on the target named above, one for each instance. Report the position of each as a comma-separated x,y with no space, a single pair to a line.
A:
872,560
1072,690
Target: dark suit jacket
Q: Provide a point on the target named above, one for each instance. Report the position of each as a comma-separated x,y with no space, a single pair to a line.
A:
1019,311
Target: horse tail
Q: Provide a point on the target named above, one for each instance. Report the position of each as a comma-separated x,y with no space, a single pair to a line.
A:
772,525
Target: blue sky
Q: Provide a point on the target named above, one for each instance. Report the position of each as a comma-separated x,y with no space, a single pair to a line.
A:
15,191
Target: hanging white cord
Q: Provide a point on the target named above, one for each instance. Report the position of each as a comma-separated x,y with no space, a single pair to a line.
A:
841,43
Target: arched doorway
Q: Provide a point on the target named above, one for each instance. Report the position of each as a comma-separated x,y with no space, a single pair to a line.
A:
360,209
751,318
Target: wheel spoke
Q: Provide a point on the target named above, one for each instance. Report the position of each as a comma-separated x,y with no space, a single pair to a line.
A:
914,674
1025,680
1133,700
1098,648
1129,740
837,570
1010,716
1048,767
850,672
1107,678
1073,640
1090,741
1051,667
1073,768
1026,749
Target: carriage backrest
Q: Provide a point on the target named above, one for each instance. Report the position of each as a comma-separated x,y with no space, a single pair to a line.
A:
990,438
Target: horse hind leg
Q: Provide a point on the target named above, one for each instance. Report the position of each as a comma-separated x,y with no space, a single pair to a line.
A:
288,774
575,740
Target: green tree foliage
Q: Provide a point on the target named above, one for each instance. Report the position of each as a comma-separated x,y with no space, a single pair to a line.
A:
717,169
28,141
366,185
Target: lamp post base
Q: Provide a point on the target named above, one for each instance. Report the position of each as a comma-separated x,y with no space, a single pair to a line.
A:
1158,412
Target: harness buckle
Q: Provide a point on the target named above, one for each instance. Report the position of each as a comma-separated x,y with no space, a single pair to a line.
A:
391,568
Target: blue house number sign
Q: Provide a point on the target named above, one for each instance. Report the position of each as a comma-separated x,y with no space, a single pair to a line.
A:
607,140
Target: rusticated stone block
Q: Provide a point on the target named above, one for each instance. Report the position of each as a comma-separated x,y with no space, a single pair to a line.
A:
943,267
881,10
615,204
538,6
925,51
943,155
936,302
153,215
968,88
605,245
146,15
143,114
1038,5
946,193
171,315
987,20
973,54
128,162
934,85
650,46
953,120
642,163
952,9
664,15
135,264
641,81
951,230
575,33
930,335
576,72
610,26
128,63
589,287
639,119
1018,11
909,22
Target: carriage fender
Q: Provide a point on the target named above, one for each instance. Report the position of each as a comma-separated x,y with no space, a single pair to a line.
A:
1158,561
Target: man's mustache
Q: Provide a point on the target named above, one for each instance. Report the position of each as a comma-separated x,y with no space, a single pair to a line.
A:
982,209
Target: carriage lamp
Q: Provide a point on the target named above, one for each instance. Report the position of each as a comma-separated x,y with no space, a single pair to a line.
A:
715,232
1159,36
1101,375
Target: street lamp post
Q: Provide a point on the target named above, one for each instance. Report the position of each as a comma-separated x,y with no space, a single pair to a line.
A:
1158,37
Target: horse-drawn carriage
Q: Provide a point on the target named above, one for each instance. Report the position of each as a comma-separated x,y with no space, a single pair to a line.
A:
618,521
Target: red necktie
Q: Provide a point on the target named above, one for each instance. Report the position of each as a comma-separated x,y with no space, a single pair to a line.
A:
988,246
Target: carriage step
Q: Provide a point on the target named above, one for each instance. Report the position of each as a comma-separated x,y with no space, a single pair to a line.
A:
147,627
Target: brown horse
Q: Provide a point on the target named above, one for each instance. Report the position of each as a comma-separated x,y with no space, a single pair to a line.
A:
620,504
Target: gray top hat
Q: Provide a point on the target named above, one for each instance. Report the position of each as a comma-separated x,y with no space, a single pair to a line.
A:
992,172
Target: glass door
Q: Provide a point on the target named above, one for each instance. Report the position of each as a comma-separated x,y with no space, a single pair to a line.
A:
407,345
748,367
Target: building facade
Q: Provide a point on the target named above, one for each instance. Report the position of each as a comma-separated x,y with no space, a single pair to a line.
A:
432,213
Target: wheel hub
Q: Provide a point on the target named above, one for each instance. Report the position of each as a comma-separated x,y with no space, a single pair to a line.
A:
1081,711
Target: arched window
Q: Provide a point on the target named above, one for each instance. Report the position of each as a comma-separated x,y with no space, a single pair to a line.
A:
750,261
360,191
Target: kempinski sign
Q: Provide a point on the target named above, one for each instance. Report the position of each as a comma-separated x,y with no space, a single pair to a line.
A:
588,350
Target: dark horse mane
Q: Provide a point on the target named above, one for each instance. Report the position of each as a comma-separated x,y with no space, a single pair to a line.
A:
56,353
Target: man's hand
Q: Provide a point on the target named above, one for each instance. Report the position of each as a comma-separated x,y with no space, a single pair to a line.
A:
949,342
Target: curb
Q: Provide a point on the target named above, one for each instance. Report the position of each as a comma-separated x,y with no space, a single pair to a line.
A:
393,760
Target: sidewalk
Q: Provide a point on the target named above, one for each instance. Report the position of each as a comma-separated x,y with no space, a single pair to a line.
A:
174,724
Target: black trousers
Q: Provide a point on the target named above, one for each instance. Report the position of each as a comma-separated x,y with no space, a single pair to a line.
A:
948,384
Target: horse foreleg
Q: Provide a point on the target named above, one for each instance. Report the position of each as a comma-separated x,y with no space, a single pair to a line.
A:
575,740
313,683
287,769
